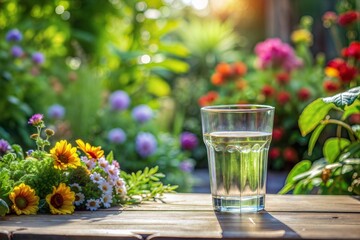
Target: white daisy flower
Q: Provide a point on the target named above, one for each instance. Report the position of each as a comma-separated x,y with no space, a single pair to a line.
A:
103,163
113,171
92,204
106,200
75,187
105,187
120,182
96,178
79,198
121,191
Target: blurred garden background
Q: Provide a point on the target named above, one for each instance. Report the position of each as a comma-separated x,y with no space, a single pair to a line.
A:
132,75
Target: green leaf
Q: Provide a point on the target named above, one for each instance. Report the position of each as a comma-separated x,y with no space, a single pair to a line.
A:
333,147
288,187
314,137
344,99
173,65
110,156
158,87
353,108
312,115
299,168
4,208
177,49
300,188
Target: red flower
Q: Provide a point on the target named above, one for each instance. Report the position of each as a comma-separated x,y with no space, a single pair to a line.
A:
354,118
268,90
277,134
348,18
283,78
217,79
274,153
344,71
283,97
303,94
331,86
353,51
290,154
224,69
239,68
208,99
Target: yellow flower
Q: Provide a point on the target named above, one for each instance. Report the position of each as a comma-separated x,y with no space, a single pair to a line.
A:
24,200
61,200
331,72
65,155
302,35
90,151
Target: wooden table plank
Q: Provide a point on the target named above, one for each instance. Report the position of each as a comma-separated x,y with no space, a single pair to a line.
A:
185,216
287,203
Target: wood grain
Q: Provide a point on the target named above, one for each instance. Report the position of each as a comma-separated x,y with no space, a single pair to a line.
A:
190,216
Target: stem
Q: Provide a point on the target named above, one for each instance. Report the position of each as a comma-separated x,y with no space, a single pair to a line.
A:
335,34
344,125
38,137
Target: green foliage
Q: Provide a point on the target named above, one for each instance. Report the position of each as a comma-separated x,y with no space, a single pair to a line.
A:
312,115
145,185
339,171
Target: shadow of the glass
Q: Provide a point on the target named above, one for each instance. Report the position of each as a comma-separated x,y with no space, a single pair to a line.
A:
261,225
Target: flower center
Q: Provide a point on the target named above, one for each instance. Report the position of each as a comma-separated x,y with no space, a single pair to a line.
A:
57,200
92,155
92,204
63,158
77,198
21,202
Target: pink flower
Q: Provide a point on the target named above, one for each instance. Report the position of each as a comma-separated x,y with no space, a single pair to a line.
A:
273,53
36,119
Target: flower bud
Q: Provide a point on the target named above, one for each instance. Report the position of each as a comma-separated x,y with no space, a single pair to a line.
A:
49,132
34,136
325,175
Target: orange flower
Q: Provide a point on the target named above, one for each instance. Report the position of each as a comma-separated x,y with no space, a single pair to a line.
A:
224,69
217,79
90,151
239,68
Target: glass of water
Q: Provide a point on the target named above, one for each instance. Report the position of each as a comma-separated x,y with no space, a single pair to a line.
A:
237,138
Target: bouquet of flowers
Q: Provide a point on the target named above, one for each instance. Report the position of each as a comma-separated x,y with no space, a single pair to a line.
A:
68,177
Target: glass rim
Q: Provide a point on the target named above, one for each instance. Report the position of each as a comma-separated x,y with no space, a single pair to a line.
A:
237,108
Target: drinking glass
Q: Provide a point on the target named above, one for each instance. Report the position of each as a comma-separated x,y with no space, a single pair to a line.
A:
237,139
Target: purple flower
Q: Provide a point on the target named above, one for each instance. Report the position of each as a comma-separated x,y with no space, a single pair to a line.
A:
29,152
36,119
17,51
4,147
13,35
188,141
119,100
186,166
38,58
116,135
146,144
142,113
273,53
56,111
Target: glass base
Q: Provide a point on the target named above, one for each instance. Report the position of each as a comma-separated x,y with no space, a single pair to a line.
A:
245,204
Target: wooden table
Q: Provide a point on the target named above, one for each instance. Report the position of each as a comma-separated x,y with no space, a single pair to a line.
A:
190,216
